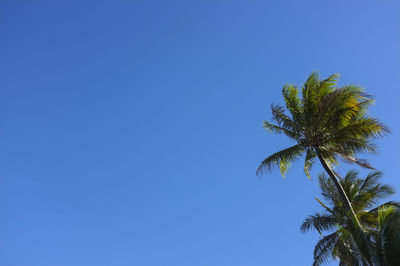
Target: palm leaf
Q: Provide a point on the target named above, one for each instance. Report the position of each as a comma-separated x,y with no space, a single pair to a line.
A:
323,249
309,161
278,129
320,222
293,103
283,159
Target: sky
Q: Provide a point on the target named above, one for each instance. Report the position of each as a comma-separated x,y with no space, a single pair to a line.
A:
131,131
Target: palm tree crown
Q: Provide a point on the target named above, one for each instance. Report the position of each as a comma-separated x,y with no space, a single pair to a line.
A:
341,240
326,121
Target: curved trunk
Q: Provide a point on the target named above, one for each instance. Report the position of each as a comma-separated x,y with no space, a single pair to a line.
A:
347,204
345,199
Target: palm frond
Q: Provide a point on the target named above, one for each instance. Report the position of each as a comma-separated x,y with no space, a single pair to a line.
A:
364,127
323,249
279,115
309,162
293,103
320,222
388,240
348,146
283,159
370,191
328,189
346,251
360,162
391,204
332,212
278,129
369,218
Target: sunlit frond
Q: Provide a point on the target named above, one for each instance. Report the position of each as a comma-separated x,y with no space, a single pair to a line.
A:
310,158
283,159
293,103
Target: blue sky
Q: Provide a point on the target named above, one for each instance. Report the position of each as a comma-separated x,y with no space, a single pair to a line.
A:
131,130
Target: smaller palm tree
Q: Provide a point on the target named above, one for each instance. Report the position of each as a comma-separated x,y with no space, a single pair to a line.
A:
339,238
386,236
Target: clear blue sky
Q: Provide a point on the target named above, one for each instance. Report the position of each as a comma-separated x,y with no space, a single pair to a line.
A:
131,130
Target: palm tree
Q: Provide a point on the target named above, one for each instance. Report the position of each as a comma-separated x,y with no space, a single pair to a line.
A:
386,236
343,240
327,122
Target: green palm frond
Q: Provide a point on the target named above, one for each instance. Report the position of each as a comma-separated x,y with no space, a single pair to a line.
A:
310,84
338,114
346,251
279,115
391,204
371,181
328,85
328,189
319,222
323,249
369,218
283,159
363,127
387,236
351,184
310,156
278,129
293,103
370,191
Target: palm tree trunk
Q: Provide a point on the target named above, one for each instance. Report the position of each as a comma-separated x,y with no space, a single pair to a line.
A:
371,256
345,199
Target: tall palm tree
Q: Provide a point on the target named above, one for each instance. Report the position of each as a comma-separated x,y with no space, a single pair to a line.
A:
342,239
327,122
